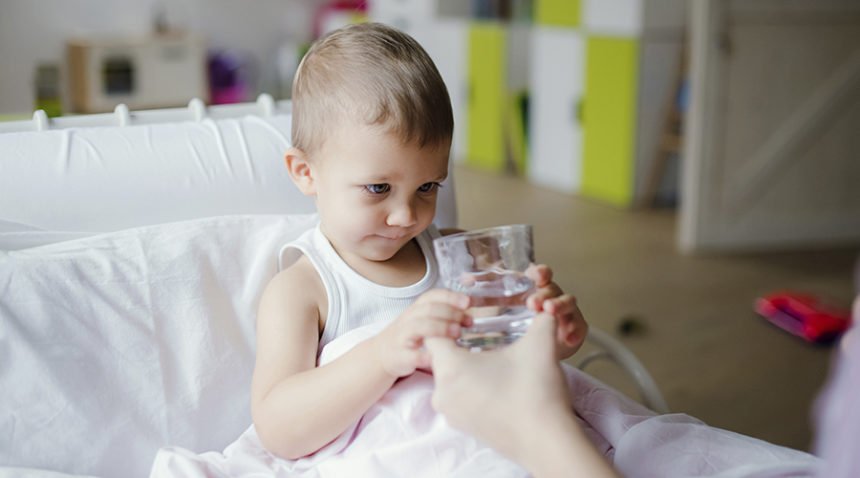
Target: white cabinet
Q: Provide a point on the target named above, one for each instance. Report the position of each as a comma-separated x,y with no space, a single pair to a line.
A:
555,133
632,17
402,14
613,17
601,74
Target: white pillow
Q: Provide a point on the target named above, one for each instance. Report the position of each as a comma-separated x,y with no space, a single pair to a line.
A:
89,180
63,184
115,345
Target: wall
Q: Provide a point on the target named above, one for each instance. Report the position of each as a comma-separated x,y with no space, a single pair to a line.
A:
34,31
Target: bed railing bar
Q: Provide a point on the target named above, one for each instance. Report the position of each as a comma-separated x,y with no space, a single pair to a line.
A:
197,109
123,116
265,106
40,120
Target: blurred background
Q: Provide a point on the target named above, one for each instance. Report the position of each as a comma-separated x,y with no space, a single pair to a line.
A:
678,159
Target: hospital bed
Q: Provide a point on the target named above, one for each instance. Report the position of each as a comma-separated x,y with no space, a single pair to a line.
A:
133,248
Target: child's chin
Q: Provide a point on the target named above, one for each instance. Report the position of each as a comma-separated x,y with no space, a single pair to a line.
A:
378,255
382,253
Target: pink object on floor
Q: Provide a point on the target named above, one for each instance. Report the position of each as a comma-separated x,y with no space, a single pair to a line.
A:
804,315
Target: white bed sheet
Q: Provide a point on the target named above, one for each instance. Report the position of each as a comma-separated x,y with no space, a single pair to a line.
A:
115,345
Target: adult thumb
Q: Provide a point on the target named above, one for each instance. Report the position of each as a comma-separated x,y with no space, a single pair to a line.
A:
442,350
541,334
543,327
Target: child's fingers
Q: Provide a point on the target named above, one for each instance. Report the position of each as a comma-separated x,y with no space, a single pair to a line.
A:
442,311
560,306
445,296
573,337
541,274
435,327
536,301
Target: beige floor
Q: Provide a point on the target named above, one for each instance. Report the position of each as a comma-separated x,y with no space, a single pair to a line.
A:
712,356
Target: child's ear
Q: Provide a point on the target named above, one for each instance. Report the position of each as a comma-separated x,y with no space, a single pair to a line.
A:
300,171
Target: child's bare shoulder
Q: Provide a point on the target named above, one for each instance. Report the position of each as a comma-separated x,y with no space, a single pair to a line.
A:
297,289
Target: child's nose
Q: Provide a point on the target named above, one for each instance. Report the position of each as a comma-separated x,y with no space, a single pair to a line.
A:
403,215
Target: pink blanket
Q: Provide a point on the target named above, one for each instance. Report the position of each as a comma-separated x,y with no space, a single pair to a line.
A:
401,435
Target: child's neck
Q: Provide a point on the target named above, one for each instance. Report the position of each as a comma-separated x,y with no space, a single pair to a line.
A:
406,267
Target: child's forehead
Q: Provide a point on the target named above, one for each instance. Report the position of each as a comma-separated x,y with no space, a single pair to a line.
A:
374,142
384,157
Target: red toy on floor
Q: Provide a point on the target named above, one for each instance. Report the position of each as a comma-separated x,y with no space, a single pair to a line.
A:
804,315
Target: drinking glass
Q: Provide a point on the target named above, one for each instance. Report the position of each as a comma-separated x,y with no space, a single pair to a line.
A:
489,266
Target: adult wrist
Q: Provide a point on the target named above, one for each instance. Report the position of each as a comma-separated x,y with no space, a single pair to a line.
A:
550,442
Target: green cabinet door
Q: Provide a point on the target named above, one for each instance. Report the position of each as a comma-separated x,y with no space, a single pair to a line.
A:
485,142
609,118
559,13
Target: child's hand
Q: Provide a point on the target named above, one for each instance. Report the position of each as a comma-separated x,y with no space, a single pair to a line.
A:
437,313
549,298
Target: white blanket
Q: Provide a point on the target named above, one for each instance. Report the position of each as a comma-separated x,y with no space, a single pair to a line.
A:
401,435
113,346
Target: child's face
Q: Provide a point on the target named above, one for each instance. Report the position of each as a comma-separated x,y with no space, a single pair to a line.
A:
375,194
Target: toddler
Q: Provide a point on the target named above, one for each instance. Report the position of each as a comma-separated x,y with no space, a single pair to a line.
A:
371,134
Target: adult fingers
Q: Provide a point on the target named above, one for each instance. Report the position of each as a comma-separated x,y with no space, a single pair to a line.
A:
444,356
540,338
443,350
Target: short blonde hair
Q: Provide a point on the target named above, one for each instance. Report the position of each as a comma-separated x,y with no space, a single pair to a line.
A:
370,74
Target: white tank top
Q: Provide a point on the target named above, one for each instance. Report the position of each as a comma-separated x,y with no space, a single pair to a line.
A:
354,300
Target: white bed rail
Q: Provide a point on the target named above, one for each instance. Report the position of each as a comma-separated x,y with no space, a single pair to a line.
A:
196,110
614,351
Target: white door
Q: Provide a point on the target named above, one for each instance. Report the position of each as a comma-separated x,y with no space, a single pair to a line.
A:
555,135
772,156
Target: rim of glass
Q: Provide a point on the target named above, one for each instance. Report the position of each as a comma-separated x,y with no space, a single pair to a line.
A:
485,232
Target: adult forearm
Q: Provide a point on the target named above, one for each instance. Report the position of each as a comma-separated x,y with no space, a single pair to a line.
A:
308,410
563,451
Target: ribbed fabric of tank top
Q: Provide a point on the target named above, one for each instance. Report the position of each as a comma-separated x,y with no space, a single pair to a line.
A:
354,300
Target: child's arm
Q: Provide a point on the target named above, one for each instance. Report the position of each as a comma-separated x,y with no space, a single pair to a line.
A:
299,408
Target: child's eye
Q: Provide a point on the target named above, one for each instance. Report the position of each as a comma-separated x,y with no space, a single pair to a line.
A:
377,188
429,187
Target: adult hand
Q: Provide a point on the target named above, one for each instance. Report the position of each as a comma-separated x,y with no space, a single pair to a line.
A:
516,400
501,395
